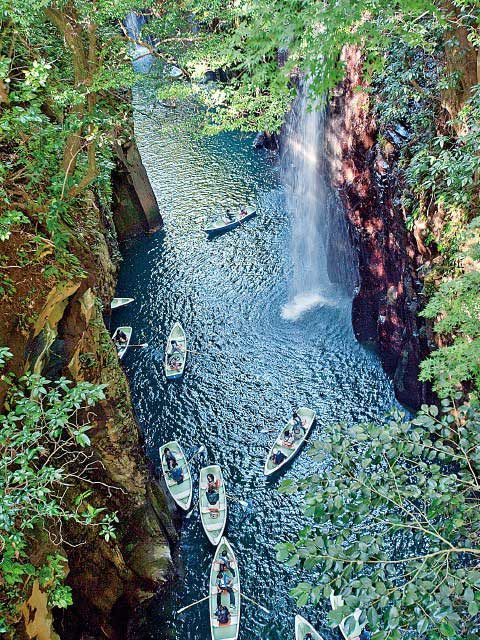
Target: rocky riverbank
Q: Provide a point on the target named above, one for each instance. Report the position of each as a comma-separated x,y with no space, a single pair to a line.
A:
56,323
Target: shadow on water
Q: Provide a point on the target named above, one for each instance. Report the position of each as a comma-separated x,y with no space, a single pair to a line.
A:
254,365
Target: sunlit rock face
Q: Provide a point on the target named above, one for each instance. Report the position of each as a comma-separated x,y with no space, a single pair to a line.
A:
366,176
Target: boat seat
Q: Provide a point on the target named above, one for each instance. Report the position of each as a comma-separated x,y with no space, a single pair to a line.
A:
172,483
184,494
215,526
216,566
206,510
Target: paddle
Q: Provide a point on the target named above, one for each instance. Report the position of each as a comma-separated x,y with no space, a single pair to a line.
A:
244,503
140,346
253,602
190,513
192,605
201,449
206,598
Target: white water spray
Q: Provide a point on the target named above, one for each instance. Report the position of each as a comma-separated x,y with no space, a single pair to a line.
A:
307,200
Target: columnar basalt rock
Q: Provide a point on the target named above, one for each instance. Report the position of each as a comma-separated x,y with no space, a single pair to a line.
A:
364,170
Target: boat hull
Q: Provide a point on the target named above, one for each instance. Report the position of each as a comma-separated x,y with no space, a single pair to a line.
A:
213,517
308,416
128,332
302,627
336,601
216,230
180,492
178,334
229,631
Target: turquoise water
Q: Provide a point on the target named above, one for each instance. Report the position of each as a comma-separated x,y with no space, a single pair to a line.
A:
252,367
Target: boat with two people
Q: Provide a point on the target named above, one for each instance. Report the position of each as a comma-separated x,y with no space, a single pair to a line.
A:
175,353
230,220
289,440
212,502
224,594
176,472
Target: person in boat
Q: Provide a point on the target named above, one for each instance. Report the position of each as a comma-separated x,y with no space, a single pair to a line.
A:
225,564
228,217
175,346
365,635
308,636
176,473
121,338
222,614
278,457
243,212
212,494
174,361
169,458
225,583
288,438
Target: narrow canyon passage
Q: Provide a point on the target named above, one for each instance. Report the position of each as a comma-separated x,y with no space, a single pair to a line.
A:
252,365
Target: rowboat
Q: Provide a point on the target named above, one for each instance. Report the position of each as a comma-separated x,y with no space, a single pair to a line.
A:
120,302
123,346
223,224
182,491
229,630
302,627
176,352
336,602
213,516
289,450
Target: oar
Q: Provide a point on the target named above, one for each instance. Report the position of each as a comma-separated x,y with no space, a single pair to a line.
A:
242,502
266,430
140,346
252,601
201,449
190,513
192,605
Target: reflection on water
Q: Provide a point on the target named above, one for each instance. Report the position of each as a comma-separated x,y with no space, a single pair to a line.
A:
250,366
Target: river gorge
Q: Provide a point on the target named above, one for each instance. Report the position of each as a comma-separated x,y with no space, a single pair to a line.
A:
250,365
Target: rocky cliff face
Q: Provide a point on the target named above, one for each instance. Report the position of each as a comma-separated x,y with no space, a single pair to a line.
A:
55,324
365,172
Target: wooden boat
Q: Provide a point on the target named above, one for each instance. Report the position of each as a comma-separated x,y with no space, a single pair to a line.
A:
120,302
336,601
122,348
213,516
175,355
222,224
302,627
228,631
308,417
181,492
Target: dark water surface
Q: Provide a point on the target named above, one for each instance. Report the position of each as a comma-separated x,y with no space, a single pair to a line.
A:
252,368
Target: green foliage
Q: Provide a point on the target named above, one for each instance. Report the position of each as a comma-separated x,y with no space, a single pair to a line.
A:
44,447
455,306
395,524
63,68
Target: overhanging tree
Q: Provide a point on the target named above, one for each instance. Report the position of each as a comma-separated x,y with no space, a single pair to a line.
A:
396,524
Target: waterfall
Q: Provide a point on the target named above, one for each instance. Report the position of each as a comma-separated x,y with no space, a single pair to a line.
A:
134,22
314,210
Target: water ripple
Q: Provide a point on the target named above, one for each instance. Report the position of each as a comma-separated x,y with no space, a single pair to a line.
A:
252,365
